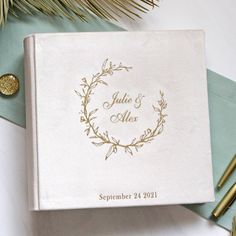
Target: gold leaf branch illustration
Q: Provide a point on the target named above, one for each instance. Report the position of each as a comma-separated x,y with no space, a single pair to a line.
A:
103,138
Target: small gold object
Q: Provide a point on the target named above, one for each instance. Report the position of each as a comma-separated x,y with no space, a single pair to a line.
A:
9,84
233,232
225,202
229,170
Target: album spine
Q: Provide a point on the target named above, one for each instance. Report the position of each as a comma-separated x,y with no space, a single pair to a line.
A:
31,122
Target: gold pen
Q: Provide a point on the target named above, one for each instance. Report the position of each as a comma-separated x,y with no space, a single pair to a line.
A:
229,170
225,202
233,232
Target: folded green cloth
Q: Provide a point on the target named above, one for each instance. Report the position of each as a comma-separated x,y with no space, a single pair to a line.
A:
11,52
222,105
222,95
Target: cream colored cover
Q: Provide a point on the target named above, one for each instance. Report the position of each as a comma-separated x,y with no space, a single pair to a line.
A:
117,119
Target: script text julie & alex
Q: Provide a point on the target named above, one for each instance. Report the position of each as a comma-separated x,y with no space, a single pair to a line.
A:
118,99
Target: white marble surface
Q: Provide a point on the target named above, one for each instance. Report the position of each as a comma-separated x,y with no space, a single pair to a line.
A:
16,220
218,18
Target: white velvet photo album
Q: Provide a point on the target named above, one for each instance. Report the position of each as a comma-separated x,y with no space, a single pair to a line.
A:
117,119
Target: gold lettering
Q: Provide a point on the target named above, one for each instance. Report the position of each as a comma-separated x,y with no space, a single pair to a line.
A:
123,117
138,101
125,99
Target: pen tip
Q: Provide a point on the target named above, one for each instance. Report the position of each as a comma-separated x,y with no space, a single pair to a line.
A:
213,216
219,186
233,232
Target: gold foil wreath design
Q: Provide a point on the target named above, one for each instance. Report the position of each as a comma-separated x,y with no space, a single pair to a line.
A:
103,138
